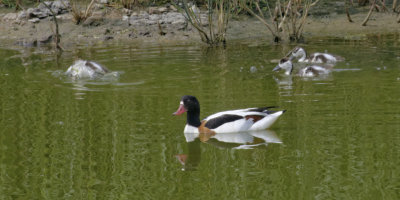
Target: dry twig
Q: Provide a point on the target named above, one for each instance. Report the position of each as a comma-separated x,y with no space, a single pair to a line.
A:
80,16
57,34
364,23
214,35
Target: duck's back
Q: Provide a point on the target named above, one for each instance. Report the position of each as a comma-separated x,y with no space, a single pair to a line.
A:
241,120
314,70
86,69
322,58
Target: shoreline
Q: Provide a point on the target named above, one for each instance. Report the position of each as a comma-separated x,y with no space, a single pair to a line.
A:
112,26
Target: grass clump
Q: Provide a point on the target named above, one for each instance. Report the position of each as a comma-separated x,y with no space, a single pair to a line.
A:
80,15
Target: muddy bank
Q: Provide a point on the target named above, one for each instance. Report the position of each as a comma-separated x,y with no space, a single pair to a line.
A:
167,26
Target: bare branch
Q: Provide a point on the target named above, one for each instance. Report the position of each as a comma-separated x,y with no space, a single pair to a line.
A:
348,14
303,21
259,10
261,19
369,14
315,3
57,35
285,15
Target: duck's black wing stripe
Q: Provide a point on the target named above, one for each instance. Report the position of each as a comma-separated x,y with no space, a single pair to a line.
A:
91,65
262,109
216,122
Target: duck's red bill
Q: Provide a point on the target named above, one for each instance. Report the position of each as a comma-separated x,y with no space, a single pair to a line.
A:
180,110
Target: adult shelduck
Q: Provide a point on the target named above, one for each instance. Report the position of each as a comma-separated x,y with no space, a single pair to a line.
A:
300,54
86,69
250,119
309,71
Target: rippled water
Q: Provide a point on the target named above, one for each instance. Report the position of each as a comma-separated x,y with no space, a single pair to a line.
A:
63,139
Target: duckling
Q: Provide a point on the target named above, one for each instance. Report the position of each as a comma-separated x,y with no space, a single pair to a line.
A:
313,58
86,69
309,71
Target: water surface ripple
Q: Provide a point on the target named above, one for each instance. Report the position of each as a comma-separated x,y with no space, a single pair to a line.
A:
63,139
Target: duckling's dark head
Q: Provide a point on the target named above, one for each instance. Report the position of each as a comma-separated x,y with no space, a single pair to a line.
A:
286,65
298,52
188,104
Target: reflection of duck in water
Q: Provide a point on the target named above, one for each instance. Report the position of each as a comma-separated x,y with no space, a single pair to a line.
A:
309,71
301,55
243,140
191,160
240,140
250,119
82,69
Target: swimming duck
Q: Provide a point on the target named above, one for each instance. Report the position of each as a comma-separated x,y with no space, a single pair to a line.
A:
249,119
301,55
86,69
308,71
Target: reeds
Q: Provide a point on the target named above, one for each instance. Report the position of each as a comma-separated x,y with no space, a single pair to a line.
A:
214,33
80,15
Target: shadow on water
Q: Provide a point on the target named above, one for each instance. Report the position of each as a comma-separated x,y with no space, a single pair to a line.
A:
242,140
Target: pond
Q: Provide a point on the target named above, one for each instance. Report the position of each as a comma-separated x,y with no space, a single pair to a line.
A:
63,139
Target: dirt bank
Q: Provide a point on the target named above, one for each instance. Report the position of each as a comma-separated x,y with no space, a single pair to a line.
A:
112,25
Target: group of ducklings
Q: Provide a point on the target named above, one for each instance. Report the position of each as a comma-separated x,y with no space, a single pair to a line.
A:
88,69
326,60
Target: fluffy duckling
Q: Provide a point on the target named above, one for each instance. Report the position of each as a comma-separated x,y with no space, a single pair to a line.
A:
86,69
301,55
309,71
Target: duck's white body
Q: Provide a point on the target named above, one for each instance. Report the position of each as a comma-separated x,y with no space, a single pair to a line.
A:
86,69
244,124
308,71
311,71
301,54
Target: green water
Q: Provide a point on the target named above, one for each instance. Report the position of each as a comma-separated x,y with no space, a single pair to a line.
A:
62,139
